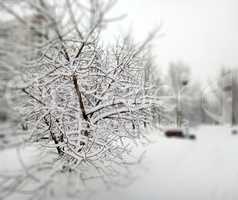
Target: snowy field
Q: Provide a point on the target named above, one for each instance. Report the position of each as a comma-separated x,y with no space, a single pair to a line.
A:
176,169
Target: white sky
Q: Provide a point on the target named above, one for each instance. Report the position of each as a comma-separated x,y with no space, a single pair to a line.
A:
202,33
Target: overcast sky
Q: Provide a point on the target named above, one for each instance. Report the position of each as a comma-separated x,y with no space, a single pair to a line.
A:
202,33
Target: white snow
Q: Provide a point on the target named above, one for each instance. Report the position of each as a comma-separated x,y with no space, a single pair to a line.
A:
177,169
204,169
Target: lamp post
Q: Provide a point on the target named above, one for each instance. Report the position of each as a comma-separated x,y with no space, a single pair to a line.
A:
179,110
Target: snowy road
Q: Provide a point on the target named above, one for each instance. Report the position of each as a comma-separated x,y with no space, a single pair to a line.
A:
206,169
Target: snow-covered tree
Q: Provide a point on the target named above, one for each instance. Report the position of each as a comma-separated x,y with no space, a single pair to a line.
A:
179,78
234,96
84,105
217,98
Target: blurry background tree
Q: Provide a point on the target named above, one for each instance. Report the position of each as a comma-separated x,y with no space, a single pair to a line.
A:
152,75
218,98
179,81
234,96
187,95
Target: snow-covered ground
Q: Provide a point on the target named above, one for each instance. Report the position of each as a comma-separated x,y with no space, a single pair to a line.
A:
204,169
176,169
